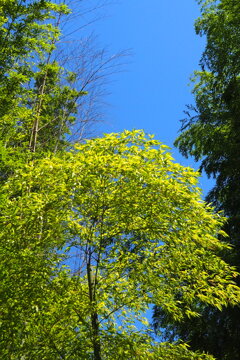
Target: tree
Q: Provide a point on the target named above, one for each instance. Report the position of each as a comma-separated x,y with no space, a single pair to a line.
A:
135,221
211,135
36,107
41,95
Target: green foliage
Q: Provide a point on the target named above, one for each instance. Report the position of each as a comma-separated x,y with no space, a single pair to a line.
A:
37,99
211,135
141,235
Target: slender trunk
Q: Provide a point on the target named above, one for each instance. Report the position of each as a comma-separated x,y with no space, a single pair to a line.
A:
33,139
34,133
35,128
94,315
96,340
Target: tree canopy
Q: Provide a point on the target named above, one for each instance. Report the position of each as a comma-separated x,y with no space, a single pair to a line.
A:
134,225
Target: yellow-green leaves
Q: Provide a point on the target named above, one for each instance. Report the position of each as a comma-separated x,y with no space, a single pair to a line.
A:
136,231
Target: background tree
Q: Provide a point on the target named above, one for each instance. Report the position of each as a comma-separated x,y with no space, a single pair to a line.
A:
42,88
30,80
142,236
211,134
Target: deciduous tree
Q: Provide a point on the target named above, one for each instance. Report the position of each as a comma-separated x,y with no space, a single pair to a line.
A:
135,221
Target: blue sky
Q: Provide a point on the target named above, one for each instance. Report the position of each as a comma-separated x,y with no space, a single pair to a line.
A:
152,92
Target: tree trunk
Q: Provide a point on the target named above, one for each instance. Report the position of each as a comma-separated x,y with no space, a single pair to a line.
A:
94,315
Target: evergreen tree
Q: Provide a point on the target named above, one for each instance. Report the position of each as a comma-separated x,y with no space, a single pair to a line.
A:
211,134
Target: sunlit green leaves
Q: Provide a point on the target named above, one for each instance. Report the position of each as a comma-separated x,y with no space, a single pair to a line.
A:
138,233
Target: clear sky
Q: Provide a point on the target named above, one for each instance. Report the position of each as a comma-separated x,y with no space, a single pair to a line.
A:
152,92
